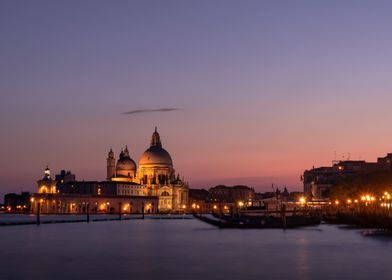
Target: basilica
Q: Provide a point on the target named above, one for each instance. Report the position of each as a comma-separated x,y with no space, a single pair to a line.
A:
151,187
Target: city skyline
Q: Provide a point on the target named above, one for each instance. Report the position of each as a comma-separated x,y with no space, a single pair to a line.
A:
242,93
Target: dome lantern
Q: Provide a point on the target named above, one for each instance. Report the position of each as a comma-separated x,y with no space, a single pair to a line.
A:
156,139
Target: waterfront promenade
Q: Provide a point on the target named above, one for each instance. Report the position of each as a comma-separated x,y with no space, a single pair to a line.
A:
21,219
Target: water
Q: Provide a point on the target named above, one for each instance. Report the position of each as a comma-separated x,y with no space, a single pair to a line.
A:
189,249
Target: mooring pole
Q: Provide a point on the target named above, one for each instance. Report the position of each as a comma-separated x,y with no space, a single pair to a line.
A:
88,213
143,210
38,213
283,215
119,211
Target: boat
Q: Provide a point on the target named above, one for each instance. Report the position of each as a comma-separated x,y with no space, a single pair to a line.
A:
260,222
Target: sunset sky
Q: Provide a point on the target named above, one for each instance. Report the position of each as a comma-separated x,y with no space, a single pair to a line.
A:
262,89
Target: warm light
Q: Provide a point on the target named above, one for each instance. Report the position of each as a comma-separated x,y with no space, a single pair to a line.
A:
240,204
225,207
193,205
337,202
32,199
302,200
215,206
349,201
183,206
368,198
356,201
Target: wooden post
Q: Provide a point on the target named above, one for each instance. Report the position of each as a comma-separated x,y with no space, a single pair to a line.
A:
283,215
119,211
88,212
38,213
143,210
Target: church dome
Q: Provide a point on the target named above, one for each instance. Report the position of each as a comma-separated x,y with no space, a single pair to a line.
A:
156,155
126,164
125,167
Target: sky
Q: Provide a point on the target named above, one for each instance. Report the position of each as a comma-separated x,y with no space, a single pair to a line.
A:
260,90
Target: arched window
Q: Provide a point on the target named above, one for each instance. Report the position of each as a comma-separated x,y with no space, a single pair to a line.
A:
165,193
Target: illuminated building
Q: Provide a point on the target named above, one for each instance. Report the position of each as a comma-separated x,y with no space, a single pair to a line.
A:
153,185
46,185
155,173
318,181
231,194
17,202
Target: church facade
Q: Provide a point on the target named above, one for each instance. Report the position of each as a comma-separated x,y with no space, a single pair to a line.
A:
155,173
151,187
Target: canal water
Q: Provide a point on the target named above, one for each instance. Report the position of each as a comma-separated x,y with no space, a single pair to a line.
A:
190,249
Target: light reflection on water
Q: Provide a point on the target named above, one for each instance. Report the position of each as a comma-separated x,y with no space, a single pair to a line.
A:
188,249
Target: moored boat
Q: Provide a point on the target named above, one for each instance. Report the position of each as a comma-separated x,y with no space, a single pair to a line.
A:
260,222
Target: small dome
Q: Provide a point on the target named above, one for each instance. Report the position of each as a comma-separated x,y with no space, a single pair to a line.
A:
156,156
125,167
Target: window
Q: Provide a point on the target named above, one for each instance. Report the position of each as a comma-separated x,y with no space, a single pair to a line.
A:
165,193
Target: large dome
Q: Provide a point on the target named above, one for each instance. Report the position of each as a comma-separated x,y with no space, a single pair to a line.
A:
156,155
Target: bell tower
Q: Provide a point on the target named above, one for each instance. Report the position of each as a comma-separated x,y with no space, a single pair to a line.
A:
46,184
111,165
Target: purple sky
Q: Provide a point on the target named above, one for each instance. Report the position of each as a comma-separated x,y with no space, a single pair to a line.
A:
265,89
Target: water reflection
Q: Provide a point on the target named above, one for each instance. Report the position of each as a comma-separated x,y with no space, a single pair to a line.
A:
302,257
188,249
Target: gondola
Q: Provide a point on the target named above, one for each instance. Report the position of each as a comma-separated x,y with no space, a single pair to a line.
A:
260,222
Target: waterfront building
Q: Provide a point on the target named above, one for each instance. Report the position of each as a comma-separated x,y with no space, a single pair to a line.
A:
234,194
153,186
65,176
47,185
318,181
17,202
220,199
